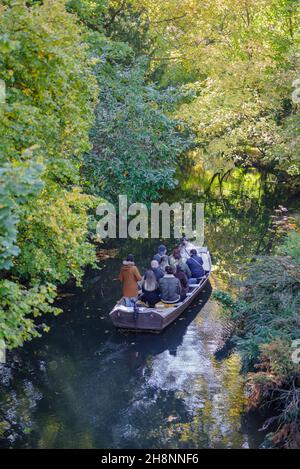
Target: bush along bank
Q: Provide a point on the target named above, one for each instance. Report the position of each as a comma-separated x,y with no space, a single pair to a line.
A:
266,316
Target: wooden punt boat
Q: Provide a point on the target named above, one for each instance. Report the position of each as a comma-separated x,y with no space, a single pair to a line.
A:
158,318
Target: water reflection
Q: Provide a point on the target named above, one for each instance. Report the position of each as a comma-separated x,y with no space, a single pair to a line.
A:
187,397
237,213
94,387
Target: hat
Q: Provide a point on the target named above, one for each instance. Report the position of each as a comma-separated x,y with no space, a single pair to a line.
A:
162,249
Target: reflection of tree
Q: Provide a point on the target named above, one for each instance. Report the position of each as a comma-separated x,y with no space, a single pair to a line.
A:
80,395
217,423
237,212
17,405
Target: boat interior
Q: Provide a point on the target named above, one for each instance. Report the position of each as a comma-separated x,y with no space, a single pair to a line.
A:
161,306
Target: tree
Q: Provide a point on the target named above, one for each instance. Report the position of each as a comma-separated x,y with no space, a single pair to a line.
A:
44,126
241,60
135,142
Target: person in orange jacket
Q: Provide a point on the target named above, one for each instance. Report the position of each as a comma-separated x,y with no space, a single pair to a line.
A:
129,276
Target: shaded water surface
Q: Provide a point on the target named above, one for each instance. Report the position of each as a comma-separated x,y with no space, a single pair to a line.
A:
86,385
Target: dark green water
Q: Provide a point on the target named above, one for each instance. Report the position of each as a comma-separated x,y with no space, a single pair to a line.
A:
86,385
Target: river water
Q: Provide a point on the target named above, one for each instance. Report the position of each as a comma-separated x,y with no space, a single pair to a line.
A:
86,385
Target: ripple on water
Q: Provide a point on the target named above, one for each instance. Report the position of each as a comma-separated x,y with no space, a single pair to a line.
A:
187,398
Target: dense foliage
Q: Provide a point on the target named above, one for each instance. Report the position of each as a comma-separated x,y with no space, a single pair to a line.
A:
242,59
105,97
96,95
268,327
44,126
135,145
239,59
57,59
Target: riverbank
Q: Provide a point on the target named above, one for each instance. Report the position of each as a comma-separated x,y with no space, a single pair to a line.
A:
265,315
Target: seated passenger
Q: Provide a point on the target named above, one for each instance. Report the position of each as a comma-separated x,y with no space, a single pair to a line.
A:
150,289
195,264
176,251
180,274
164,262
173,258
185,247
157,270
162,251
169,286
176,259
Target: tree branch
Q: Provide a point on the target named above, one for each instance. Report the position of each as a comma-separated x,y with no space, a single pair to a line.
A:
168,20
115,14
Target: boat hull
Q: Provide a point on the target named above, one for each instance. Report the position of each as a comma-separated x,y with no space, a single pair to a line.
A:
158,318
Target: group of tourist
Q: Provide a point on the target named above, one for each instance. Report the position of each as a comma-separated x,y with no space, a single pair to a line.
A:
167,280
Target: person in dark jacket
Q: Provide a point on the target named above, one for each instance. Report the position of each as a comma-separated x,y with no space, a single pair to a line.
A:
195,264
150,289
176,259
157,270
169,286
180,274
